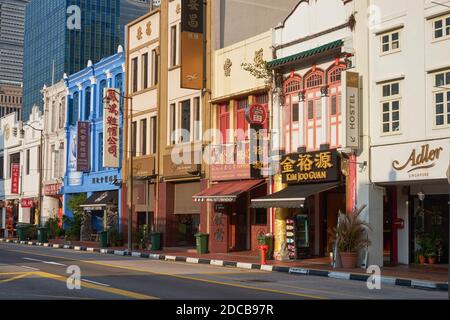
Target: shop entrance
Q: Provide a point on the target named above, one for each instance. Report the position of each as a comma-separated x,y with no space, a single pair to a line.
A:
237,241
430,221
390,256
188,226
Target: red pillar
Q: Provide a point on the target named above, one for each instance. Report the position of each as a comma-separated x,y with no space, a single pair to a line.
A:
351,184
166,221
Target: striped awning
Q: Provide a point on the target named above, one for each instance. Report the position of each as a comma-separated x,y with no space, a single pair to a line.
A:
226,191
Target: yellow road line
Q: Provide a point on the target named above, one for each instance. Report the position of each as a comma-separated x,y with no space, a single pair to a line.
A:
12,273
303,288
16,277
120,292
207,281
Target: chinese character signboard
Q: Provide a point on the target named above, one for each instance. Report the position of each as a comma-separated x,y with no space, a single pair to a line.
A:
83,146
27,203
350,81
15,174
256,114
111,129
192,33
319,166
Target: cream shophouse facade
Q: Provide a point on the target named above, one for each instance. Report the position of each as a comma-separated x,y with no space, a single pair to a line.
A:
410,125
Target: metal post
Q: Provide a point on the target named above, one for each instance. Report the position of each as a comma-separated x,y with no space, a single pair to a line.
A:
130,185
41,177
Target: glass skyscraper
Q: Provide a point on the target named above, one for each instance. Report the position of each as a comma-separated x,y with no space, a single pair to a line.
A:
54,45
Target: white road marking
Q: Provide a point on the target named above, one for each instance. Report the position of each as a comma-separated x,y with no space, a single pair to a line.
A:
46,262
31,268
94,282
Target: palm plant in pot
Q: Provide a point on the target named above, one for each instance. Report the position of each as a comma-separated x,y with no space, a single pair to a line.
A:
350,237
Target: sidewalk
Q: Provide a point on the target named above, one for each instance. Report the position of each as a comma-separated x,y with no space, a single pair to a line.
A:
415,276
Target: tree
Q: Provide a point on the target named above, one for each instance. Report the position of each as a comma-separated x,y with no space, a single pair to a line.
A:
73,224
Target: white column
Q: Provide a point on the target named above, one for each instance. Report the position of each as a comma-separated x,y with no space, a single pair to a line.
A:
324,112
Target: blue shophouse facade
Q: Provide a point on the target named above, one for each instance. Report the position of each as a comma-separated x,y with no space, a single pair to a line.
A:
102,186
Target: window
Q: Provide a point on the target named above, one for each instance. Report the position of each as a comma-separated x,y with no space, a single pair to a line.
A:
390,105
295,112
62,113
14,158
185,121
101,95
442,98
27,163
133,138
262,98
153,135
134,75
74,107
241,122
173,123
100,159
441,27
53,162
173,46
2,174
261,216
145,70
314,80
87,104
155,67
390,42
197,120
293,85
143,137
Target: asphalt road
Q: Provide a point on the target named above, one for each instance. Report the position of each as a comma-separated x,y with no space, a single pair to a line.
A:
41,273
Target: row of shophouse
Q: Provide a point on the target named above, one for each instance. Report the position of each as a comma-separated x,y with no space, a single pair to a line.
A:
342,104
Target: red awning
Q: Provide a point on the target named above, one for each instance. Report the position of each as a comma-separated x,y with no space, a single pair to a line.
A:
226,191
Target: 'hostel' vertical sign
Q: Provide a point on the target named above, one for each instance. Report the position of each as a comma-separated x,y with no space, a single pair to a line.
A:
111,129
192,33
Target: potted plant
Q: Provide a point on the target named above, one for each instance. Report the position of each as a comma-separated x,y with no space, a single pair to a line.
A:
431,255
351,236
421,256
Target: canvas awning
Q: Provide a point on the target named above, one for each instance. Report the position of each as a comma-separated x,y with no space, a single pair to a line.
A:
226,191
293,196
101,200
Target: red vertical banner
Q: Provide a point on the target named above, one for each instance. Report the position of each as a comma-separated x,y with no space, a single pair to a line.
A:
351,184
15,174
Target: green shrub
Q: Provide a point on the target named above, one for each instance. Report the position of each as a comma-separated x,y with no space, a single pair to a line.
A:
73,225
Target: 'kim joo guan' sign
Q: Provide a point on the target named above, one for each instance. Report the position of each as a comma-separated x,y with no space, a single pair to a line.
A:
311,167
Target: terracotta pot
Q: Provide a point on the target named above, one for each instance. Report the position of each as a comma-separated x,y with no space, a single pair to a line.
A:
349,259
431,260
422,259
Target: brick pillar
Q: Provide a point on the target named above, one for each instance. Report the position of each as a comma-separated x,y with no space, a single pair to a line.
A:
166,221
204,209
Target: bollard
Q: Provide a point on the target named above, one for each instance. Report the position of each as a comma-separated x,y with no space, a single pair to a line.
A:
264,248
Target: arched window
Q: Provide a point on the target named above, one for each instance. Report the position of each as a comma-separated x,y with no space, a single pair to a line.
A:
334,75
314,80
292,85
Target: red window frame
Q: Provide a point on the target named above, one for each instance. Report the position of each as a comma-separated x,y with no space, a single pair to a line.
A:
291,88
316,80
335,120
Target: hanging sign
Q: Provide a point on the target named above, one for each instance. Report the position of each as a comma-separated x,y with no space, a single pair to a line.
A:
83,146
27,203
15,174
319,166
192,53
351,125
111,128
256,114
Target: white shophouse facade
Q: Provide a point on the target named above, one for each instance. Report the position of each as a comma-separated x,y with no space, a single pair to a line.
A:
315,44
410,123
23,149
54,149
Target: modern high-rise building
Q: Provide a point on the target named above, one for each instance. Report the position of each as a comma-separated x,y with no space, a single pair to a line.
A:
61,36
12,16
